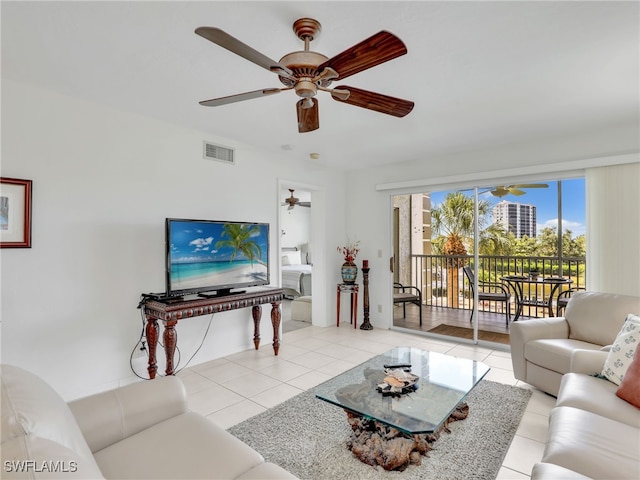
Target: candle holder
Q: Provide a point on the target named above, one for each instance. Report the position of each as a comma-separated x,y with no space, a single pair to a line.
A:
366,325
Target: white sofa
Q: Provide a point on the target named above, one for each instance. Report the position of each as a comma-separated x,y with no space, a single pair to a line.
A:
593,434
143,430
544,349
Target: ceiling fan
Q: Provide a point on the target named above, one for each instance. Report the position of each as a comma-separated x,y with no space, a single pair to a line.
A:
502,190
293,201
306,72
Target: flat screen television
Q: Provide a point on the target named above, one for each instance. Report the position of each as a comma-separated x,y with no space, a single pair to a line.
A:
215,257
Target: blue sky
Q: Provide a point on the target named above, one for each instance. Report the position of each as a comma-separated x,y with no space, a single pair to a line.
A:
546,202
193,241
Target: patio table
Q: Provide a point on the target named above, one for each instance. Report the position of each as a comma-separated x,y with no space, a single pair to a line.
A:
517,283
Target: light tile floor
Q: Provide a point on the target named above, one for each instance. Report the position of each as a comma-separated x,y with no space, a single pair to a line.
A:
231,389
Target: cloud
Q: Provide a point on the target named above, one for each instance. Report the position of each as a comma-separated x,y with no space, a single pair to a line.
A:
201,243
192,259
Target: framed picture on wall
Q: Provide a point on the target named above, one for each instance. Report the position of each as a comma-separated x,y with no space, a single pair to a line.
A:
15,213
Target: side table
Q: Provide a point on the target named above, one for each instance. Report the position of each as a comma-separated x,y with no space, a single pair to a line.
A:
351,288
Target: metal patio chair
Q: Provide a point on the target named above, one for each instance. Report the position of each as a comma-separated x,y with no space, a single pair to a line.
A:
490,292
407,293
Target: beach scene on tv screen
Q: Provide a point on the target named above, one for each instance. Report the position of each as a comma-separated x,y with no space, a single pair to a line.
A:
204,254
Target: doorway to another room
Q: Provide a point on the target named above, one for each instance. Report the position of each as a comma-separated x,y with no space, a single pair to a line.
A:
296,257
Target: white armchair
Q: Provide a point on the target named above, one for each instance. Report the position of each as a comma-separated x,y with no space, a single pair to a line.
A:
544,349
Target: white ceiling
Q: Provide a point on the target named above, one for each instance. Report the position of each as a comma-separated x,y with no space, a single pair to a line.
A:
480,73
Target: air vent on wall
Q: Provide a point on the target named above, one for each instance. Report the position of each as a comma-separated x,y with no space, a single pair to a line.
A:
219,153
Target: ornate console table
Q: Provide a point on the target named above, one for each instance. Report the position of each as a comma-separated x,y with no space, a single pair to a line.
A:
172,312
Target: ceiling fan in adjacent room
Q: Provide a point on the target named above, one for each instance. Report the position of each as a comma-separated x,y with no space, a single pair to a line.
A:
502,190
293,201
306,72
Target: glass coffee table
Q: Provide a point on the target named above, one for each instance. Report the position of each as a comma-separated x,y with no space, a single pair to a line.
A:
395,430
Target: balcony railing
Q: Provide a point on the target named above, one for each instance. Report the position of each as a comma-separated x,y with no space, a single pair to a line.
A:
430,274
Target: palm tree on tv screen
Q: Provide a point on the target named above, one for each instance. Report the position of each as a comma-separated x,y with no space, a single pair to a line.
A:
239,240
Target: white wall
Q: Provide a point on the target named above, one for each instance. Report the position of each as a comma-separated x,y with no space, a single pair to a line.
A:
103,183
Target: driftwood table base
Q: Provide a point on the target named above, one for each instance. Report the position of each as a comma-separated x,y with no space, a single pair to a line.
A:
375,444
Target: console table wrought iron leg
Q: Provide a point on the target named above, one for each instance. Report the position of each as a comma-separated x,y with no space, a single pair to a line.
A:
275,321
256,313
170,338
151,333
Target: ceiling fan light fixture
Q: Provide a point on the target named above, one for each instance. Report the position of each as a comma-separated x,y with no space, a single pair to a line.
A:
306,89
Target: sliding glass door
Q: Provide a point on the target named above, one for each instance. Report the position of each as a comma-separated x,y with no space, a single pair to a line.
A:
455,244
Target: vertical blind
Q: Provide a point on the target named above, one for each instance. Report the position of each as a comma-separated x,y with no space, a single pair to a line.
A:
613,229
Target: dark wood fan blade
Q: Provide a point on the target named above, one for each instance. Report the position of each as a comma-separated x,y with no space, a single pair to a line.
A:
375,101
377,49
234,45
216,102
308,118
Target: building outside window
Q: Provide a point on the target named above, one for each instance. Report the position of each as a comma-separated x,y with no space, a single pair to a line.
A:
516,218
